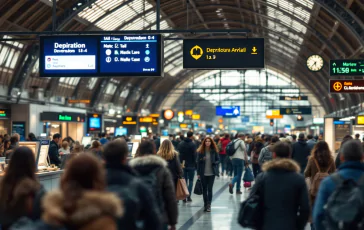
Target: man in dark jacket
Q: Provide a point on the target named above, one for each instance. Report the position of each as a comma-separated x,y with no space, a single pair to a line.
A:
53,150
301,151
310,141
351,155
188,155
121,179
284,192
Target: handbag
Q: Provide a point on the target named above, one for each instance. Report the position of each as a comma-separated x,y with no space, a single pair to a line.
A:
198,188
251,210
181,190
248,175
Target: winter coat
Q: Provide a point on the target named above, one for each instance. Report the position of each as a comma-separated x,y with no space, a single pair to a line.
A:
311,143
266,154
215,159
144,165
311,171
138,204
175,167
300,153
94,210
224,142
348,170
53,153
24,188
187,153
284,193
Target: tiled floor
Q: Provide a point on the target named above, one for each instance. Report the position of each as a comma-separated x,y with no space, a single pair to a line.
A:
225,209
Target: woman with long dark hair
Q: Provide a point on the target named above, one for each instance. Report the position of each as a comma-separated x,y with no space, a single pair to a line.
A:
320,161
82,202
20,191
207,168
256,148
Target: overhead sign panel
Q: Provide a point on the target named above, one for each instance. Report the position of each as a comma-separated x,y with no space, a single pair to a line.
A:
296,111
346,86
228,111
346,67
223,53
74,56
360,120
297,98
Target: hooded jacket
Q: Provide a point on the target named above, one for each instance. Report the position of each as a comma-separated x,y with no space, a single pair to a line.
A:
300,153
348,170
187,153
94,210
138,204
144,165
23,189
284,193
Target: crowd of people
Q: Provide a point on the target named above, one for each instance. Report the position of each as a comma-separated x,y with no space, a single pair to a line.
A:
101,188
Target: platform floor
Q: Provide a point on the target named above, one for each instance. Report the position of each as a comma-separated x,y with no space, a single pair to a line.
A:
225,209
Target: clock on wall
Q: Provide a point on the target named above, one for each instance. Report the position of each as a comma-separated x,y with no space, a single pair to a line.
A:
315,63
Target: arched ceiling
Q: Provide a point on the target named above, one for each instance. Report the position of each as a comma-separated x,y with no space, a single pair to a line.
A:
293,30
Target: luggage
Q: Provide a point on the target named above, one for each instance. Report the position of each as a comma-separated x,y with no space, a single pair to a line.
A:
198,187
181,190
248,175
247,184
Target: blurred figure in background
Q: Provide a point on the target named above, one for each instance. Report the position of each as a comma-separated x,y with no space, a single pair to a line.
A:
20,190
337,160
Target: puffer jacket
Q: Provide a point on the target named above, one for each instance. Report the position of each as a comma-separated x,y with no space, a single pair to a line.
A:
138,204
144,165
284,193
24,188
94,210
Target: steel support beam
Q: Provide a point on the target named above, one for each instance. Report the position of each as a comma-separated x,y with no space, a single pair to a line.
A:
100,89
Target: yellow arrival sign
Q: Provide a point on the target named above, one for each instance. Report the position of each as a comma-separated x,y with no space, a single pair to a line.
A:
196,52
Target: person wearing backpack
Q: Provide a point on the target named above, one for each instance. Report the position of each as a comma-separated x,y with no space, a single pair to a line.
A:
320,165
266,154
239,158
282,194
154,172
340,200
121,179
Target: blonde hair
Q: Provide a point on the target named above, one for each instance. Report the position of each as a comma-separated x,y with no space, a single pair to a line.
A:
166,150
65,145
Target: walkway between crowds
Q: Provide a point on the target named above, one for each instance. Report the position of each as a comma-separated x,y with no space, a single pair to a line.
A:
225,208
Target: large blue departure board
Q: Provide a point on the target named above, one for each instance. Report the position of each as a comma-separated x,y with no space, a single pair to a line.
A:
77,56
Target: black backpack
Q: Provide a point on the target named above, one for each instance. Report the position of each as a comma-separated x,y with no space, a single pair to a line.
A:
344,209
151,181
230,148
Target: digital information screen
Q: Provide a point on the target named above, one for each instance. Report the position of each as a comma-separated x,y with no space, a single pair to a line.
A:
74,56
296,111
228,111
131,54
346,67
346,86
298,98
223,53
67,55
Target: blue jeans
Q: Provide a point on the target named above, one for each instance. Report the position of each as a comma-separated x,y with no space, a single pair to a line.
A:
222,161
189,174
238,165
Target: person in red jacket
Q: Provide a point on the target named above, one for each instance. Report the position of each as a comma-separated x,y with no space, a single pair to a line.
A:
223,143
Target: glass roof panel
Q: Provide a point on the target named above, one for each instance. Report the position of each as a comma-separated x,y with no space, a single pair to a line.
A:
73,81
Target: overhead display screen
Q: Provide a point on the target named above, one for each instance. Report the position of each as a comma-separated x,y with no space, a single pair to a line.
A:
74,56
298,98
132,54
223,53
346,67
296,111
346,86
228,111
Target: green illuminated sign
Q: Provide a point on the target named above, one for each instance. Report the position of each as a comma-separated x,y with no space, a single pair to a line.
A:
346,67
64,118
2,114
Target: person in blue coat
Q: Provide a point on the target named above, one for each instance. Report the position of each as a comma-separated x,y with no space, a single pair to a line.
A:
351,167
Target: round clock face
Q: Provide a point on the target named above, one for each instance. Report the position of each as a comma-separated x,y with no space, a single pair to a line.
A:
315,63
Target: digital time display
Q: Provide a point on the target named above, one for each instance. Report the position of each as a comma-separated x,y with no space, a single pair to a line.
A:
346,67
